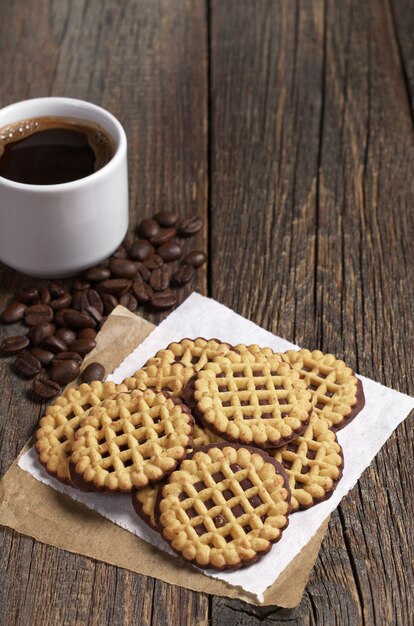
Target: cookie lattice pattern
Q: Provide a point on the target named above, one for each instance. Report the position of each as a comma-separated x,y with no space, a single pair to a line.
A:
167,377
224,507
146,497
132,440
335,388
56,431
313,463
193,353
244,399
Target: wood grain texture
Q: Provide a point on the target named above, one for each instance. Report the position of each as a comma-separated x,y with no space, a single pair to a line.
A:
311,153
402,12
291,123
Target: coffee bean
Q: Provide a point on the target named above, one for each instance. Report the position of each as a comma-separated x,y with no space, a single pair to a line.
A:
122,268
68,356
163,300
39,332
143,272
54,344
153,261
197,258
76,320
148,228
14,344
64,371
27,295
14,312
87,333
109,302
27,365
44,356
82,346
58,319
38,313
170,251
160,278
166,218
128,301
142,291
114,286
189,226
46,388
165,235
183,274
67,335
138,277
56,289
63,302
92,298
120,253
81,285
97,274
93,313
77,300
141,250
94,371
45,296
127,242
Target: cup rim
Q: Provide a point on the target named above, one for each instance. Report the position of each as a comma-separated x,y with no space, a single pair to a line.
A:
73,185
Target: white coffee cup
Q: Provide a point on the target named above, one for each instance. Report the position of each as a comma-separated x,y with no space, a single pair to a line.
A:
59,230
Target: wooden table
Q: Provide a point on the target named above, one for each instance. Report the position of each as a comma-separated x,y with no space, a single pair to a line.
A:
289,127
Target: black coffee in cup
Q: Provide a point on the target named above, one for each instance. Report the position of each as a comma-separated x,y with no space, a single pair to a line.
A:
53,150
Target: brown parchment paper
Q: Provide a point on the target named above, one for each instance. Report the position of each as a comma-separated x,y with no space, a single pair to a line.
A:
37,510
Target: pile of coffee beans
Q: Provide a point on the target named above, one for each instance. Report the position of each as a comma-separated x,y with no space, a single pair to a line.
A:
63,321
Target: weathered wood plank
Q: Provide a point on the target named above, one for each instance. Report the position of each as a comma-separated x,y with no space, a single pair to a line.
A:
402,12
147,63
311,225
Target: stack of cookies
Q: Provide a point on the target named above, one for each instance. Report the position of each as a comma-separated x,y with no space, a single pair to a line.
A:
217,444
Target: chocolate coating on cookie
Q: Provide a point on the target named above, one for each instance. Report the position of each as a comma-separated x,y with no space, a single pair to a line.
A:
131,441
139,507
223,543
355,409
337,393
251,399
314,464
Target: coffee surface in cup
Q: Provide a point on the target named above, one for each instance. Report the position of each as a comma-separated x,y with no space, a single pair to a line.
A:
52,150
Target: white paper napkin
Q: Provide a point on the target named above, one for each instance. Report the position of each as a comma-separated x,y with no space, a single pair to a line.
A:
361,440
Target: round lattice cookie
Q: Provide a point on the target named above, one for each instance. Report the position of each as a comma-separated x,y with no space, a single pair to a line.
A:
251,352
337,394
313,463
246,400
143,502
224,506
170,369
130,441
56,430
